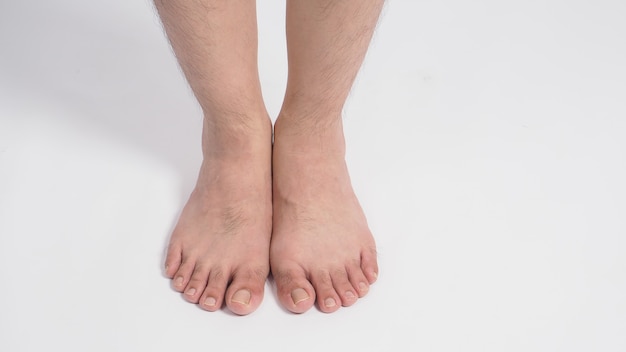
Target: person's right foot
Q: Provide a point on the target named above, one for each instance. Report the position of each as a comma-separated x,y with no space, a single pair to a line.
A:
219,249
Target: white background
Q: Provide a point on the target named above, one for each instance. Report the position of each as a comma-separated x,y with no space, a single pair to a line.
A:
486,141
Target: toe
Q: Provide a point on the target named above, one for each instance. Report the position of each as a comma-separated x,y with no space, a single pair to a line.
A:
358,280
327,298
213,295
343,287
369,265
196,284
182,275
295,292
245,292
172,260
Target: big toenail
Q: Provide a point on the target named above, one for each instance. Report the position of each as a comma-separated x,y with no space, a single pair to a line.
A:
210,301
191,292
179,281
241,296
330,302
298,295
363,287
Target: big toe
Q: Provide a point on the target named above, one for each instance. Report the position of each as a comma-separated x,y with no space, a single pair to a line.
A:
295,292
245,292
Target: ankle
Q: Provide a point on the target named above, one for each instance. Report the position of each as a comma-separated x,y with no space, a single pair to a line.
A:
237,134
309,134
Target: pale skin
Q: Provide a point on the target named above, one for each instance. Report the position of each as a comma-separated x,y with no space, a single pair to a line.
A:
285,207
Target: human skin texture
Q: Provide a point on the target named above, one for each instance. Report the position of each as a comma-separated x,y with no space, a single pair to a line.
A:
287,205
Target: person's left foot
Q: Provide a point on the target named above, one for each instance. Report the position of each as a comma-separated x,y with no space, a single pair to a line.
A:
322,249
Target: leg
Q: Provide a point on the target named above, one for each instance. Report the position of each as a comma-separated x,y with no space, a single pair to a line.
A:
322,249
219,250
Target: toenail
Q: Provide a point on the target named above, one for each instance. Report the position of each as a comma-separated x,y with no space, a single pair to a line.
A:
179,281
330,302
350,295
363,287
210,301
298,295
191,292
241,296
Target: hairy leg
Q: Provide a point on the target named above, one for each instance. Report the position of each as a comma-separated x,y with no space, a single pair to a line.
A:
322,249
219,250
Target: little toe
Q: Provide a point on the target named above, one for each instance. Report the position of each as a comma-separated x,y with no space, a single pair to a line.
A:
172,260
245,292
369,265
196,284
295,292
327,298
213,295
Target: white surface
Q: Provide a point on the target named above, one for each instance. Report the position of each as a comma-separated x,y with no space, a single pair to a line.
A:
486,142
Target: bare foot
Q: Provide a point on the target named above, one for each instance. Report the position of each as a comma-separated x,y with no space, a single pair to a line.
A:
219,249
322,249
